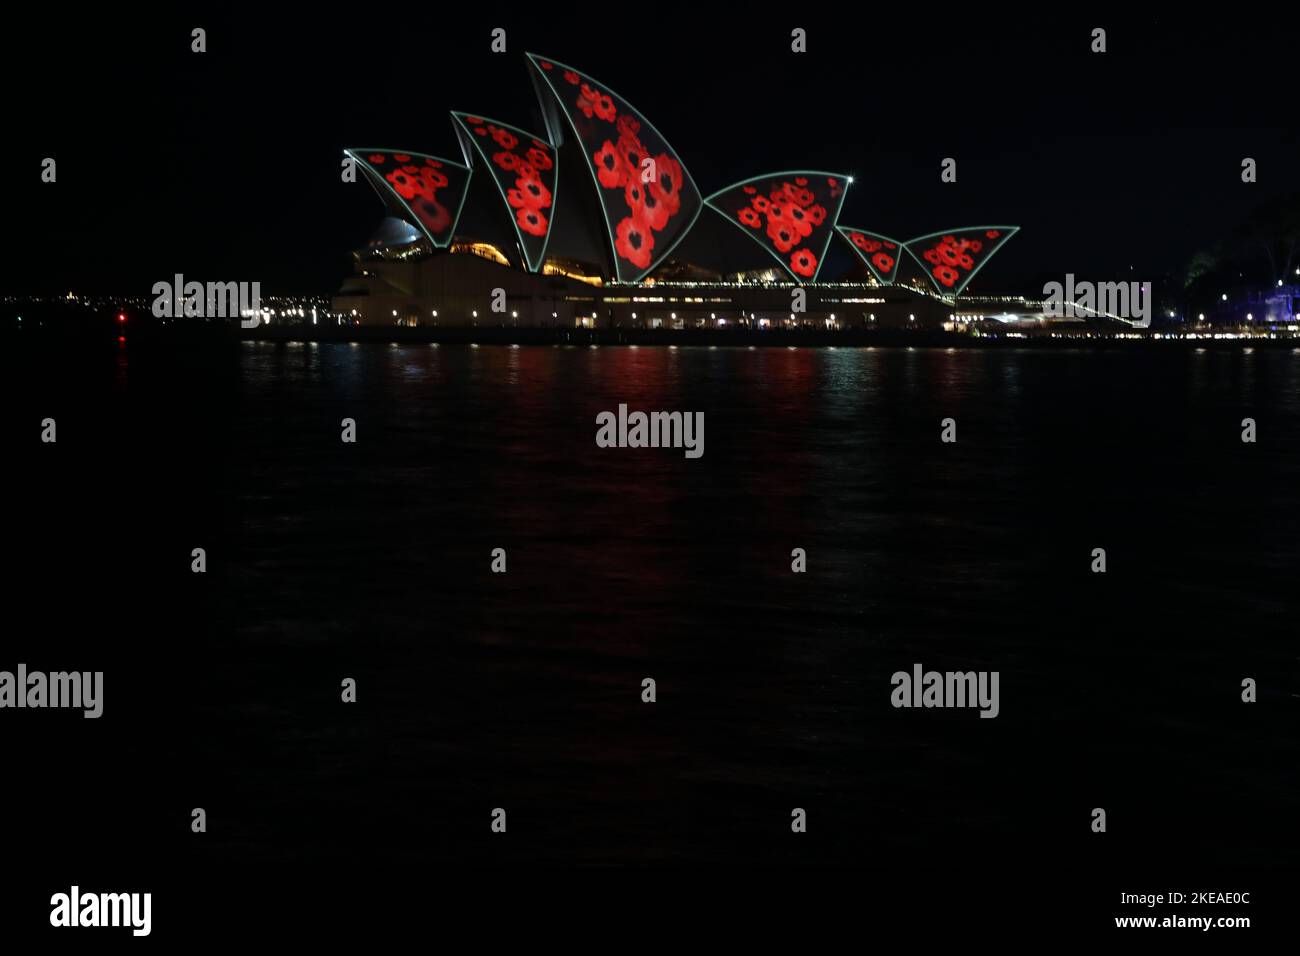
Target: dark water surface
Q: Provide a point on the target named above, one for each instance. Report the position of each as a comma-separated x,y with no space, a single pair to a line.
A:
478,690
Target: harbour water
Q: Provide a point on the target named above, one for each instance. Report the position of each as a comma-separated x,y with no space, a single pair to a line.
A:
476,690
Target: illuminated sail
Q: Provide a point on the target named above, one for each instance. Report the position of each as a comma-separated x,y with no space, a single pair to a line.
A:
649,199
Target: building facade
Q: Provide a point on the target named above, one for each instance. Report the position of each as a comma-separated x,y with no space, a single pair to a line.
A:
596,222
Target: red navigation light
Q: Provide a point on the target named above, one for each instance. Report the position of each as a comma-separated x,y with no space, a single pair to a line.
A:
121,316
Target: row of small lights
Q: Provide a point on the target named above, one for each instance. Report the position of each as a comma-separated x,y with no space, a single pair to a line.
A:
673,316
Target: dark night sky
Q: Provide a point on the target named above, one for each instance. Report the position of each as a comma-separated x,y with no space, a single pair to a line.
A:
225,165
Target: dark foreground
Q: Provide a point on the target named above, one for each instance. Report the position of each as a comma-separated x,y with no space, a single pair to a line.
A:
522,690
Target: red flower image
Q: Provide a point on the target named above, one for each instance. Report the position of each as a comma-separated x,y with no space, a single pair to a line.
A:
666,187
505,139
417,181
945,274
633,241
593,101
654,213
532,221
637,206
799,220
953,253
782,234
873,247
634,194
632,152
534,192
832,182
803,262
407,186
603,107
522,166
628,126
475,120
797,194
955,256
433,214
547,66
610,169
791,215
539,159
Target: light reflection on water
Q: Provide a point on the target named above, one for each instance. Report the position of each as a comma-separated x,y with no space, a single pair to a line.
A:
625,563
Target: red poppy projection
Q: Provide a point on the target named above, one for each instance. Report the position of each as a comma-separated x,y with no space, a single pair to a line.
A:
648,197
881,254
427,190
952,258
525,170
791,215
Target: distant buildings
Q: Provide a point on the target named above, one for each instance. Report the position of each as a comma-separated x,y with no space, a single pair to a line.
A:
598,223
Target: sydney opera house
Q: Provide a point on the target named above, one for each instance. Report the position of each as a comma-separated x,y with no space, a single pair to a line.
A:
596,222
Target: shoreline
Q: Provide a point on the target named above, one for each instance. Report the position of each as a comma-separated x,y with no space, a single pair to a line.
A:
741,338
